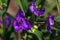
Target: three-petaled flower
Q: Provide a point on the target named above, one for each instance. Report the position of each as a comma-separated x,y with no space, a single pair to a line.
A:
20,22
34,10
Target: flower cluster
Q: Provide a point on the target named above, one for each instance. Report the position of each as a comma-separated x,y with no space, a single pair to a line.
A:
20,22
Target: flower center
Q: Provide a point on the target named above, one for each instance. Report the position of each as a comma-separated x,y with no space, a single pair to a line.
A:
18,23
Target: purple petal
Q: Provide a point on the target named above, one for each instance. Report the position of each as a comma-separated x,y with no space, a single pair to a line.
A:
48,27
39,12
20,12
50,19
27,25
42,11
16,27
32,7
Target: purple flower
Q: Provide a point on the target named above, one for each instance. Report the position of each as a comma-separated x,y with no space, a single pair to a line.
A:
50,23
7,20
34,10
20,22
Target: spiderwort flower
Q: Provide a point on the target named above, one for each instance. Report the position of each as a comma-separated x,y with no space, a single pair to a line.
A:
7,20
34,10
50,23
20,22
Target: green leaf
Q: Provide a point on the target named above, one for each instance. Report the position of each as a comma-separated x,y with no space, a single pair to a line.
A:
47,38
57,18
5,4
12,35
2,12
25,5
0,2
25,37
37,2
38,34
9,28
44,30
1,31
20,4
54,28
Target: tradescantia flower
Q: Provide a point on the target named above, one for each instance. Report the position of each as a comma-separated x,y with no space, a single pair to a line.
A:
7,20
20,22
34,10
50,23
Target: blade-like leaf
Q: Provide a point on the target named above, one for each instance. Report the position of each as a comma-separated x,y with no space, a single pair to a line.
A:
38,34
